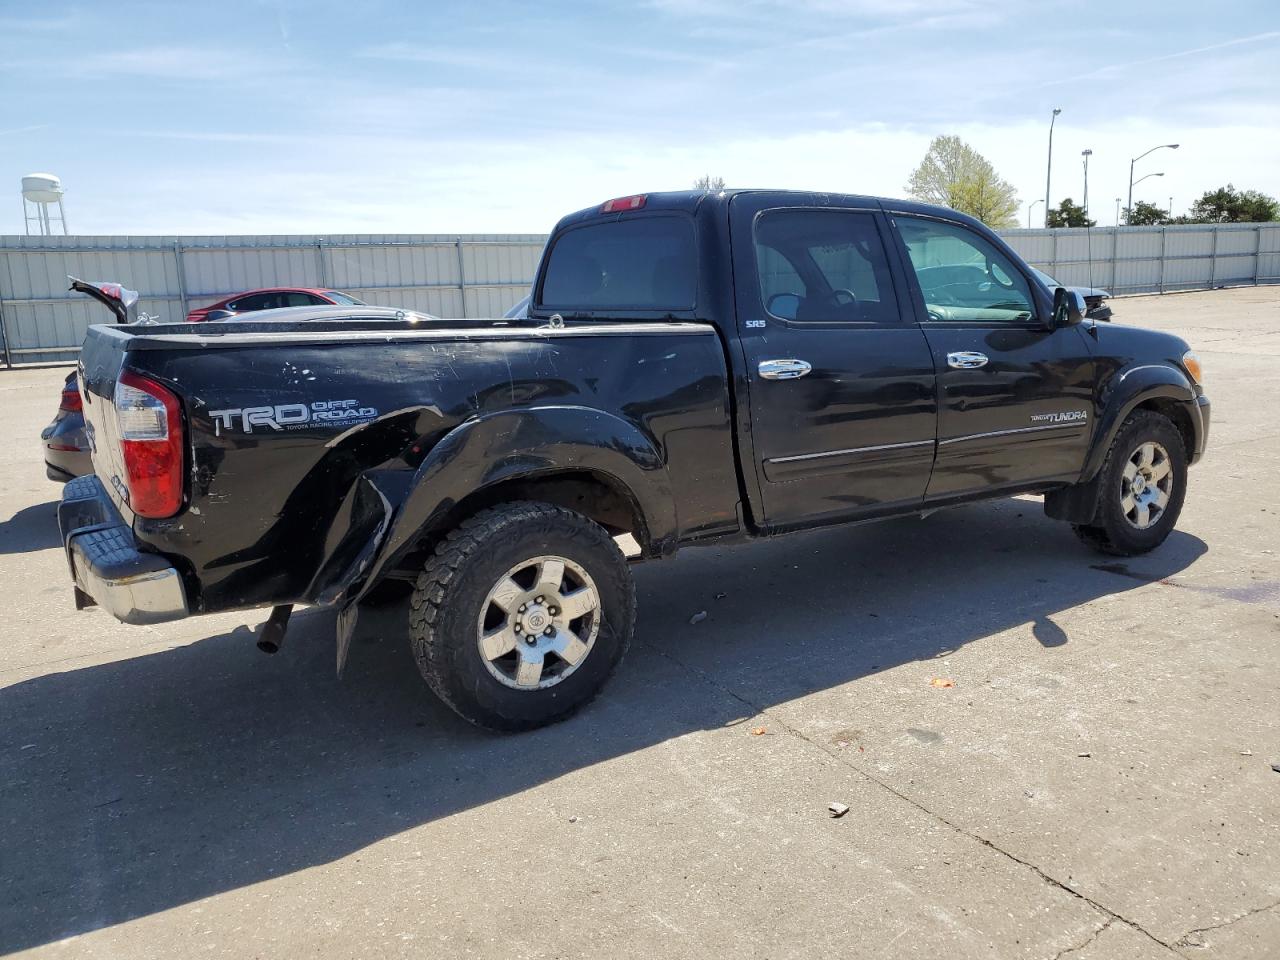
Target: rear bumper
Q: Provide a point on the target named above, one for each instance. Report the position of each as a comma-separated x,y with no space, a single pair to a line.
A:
107,567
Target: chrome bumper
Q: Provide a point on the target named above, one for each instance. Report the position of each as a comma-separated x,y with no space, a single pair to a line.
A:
107,567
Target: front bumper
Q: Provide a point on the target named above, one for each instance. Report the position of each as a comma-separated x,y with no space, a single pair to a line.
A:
107,567
1202,435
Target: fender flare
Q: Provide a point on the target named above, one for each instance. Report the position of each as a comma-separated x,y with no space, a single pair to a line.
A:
529,443
1129,389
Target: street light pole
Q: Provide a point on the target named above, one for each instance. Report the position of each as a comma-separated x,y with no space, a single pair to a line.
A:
1086,153
1031,206
1118,199
1048,174
1160,146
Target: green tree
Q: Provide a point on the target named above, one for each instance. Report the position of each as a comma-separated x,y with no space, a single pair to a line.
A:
1146,214
709,184
1229,205
955,175
1067,214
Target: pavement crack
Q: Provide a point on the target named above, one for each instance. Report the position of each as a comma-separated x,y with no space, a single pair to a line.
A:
1084,943
1192,937
885,785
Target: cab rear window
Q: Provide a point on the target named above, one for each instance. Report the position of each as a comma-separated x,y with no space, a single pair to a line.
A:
639,263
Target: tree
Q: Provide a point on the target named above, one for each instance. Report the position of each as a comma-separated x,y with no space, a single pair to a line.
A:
955,175
709,184
1229,205
1146,214
1067,214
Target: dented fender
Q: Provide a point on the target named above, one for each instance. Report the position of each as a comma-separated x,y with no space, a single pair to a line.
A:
480,453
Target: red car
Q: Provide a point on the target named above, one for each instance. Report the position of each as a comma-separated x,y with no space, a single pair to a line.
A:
271,298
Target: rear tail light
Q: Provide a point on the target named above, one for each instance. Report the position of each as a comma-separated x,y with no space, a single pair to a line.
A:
150,424
71,402
624,203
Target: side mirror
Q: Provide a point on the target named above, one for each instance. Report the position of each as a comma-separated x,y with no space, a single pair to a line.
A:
1068,307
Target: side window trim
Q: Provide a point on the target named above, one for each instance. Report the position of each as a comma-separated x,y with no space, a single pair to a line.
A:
916,294
893,297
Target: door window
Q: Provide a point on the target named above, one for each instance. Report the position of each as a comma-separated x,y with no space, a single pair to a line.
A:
823,266
963,276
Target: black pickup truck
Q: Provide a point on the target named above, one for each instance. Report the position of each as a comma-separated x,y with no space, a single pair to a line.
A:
692,367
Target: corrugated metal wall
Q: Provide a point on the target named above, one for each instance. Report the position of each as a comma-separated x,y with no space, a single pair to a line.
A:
469,275
1154,259
482,275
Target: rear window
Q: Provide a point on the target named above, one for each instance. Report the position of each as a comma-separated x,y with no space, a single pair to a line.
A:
640,263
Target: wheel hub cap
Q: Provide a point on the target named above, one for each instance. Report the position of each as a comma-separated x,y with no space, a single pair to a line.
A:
538,623
1147,485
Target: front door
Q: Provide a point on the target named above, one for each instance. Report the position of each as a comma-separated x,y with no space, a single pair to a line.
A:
840,377
1015,393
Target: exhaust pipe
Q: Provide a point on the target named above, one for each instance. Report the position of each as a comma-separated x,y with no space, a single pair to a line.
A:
272,636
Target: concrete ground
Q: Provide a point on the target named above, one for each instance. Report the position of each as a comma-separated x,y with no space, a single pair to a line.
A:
1096,784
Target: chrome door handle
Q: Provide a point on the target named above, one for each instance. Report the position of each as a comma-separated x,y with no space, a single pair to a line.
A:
784,369
966,360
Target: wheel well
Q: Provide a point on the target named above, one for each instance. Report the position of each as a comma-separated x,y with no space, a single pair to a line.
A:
1173,411
596,496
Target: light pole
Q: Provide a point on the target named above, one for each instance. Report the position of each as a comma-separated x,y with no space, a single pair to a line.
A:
1161,146
1031,206
1086,153
1118,199
1048,174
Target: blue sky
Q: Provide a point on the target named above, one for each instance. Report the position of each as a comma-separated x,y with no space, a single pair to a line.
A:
247,116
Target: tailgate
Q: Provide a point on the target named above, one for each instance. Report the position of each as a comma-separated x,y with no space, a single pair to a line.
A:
102,357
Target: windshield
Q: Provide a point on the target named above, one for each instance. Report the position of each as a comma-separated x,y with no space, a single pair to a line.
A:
337,296
1045,278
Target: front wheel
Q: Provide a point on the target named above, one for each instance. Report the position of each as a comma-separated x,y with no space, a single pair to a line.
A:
1141,487
521,615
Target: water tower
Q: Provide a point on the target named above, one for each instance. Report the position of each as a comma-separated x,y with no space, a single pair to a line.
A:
40,191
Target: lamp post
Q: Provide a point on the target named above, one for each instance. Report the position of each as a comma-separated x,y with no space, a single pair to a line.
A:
1086,153
1048,174
1161,146
1118,199
1031,206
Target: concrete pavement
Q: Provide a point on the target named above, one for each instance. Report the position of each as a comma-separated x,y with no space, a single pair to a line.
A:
1095,784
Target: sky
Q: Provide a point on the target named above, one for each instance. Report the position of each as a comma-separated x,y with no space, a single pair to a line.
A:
379,116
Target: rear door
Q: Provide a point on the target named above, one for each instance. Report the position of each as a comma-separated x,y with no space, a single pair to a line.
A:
840,378
1014,392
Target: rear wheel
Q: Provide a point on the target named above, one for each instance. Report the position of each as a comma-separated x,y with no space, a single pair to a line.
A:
1141,489
521,614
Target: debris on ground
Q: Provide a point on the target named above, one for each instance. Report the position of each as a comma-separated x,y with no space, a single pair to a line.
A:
1086,753
758,731
837,810
1276,766
698,617
721,596
941,682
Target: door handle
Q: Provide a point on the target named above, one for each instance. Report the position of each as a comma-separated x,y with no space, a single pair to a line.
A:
788,369
966,360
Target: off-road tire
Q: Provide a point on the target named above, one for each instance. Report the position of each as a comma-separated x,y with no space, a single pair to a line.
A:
1109,532
450,596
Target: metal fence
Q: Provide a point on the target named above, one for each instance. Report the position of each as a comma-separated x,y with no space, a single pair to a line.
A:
1128,260
469,275
482,275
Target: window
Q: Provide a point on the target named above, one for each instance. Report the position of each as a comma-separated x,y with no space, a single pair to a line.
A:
823,266
295,298
259,301
962,276
642,263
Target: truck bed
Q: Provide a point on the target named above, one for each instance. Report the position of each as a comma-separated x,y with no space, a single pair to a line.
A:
314,450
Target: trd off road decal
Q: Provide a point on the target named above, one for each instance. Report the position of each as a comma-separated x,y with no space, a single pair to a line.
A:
293,416
1066,416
